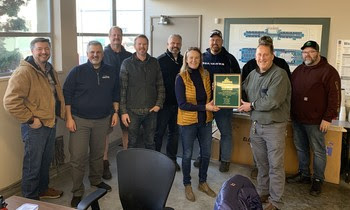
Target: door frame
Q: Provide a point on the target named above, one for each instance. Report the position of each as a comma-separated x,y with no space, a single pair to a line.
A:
199,17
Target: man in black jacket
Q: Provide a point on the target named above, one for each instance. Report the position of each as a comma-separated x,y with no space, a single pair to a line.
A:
170,63
217,60
114,55
88,120
251,65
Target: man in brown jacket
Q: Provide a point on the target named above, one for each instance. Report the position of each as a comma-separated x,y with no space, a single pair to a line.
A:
34,97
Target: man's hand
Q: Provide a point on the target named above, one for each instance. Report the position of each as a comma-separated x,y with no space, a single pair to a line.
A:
114,120
70,124
324,126
36,123
155,109
211,107
126,120
245,107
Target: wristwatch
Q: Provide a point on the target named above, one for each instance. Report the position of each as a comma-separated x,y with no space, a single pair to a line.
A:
252,106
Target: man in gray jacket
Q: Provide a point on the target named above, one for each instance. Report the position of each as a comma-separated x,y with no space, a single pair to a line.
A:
268,101
141,93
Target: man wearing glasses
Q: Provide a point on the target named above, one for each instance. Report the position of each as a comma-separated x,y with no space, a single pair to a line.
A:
315,102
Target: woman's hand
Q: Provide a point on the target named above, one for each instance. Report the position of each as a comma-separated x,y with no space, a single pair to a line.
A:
211,107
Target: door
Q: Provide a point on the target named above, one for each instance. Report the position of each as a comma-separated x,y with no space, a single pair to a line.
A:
189,27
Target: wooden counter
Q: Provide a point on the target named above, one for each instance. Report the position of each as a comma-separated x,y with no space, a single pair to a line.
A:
242,154
15,201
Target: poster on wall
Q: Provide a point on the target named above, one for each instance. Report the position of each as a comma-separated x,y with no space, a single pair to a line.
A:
288,35
343,63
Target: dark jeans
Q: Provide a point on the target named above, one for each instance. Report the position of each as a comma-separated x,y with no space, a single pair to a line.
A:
306,136
148,122
167,118
223,119
189,133
38,152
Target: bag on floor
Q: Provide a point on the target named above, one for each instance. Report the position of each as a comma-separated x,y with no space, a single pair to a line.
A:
238,193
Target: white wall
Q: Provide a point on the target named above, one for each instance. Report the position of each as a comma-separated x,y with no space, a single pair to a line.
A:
337,10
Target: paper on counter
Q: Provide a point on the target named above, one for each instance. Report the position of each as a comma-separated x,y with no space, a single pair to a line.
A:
28,206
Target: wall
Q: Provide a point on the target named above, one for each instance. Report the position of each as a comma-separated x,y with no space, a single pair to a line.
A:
337,10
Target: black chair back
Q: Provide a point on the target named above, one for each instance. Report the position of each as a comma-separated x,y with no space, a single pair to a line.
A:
145,178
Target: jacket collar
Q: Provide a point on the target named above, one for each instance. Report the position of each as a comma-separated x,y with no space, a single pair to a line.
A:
92,67
135,58
179,57
31,61
222,52
109,48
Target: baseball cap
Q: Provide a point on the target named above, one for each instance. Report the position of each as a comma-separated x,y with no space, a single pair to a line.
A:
216,32
311,44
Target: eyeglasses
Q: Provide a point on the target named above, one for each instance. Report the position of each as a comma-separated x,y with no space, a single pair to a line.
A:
308,52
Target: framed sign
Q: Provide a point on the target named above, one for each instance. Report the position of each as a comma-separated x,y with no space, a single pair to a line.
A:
288,34
227,90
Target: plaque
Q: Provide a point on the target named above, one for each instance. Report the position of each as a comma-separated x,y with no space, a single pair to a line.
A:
227,90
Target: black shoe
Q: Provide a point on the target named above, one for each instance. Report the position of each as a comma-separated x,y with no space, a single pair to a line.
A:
254,173
106,172
224,166
298,178
75,201
177,167
197,162
104,186
316,187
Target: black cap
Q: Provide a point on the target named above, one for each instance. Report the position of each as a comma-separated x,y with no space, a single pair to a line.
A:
311,44
216,32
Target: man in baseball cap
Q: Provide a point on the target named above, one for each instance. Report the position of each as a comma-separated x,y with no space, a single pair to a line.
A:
311,44
315,102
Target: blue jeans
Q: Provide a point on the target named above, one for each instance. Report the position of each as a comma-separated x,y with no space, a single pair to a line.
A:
167,118
38,152
223,119
189,133
306,136
148,122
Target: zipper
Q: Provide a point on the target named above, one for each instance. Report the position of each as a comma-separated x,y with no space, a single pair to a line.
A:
98,78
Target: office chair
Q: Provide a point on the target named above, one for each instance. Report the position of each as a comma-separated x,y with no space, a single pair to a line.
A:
145,178
92,200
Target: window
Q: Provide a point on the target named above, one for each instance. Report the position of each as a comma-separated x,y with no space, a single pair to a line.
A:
20,22
95,18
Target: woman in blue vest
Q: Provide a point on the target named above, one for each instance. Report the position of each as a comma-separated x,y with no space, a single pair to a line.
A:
193,94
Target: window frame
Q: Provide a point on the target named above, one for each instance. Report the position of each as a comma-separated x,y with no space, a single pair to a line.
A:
48,34
114,23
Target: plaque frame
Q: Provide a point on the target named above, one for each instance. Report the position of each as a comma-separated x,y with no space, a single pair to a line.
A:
229,101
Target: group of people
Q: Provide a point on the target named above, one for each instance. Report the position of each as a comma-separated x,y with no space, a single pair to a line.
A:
172,91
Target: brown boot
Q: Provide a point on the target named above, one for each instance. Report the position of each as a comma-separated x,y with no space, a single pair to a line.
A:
206,189
189,193
106,172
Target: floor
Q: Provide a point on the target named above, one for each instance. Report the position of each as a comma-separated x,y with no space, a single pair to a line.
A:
296,196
